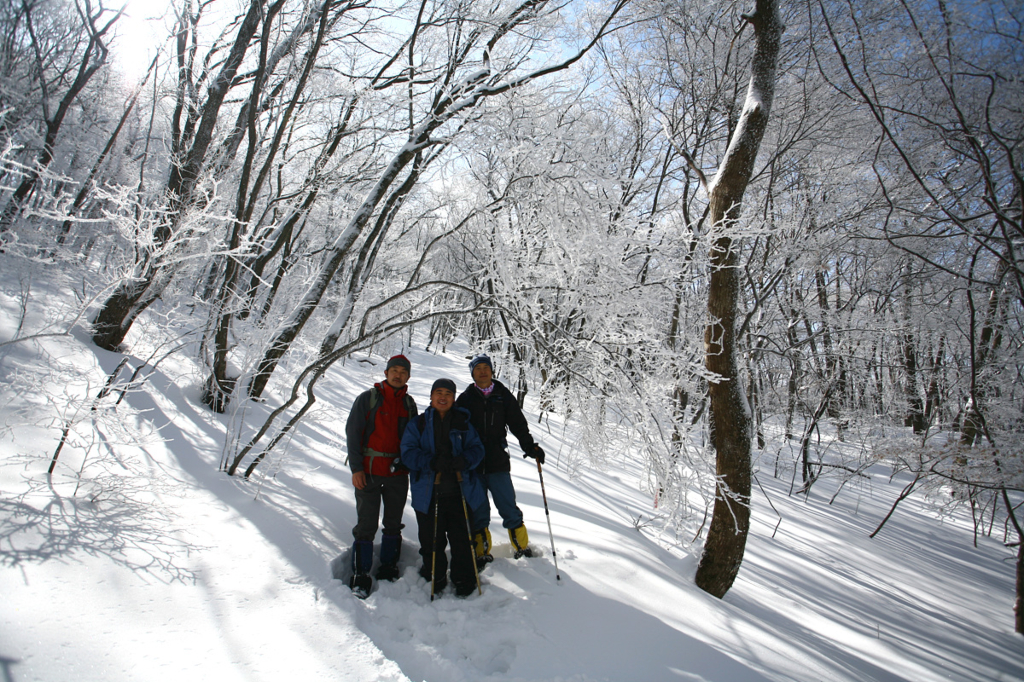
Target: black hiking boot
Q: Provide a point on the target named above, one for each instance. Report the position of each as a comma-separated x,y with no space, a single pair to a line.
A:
463,590
388,572
361,585
440,582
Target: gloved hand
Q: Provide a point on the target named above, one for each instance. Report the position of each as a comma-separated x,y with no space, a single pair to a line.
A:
459,463
536,452
397,467
443,466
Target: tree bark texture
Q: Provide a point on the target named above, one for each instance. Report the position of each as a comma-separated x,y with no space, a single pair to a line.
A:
730,521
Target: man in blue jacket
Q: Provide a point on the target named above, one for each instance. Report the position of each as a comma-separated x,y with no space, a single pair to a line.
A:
493,412
441,450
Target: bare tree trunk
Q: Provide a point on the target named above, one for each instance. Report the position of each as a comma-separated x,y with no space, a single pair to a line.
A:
795,371
118,312
730,521
981,348
933,397
219,385
915,406
1018,601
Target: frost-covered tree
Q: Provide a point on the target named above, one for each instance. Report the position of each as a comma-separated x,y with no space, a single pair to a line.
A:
723,549
49,52
193,123
448,76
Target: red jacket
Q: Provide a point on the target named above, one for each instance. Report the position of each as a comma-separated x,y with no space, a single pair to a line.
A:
377,422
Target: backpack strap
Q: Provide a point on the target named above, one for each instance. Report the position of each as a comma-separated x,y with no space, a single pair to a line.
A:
375,399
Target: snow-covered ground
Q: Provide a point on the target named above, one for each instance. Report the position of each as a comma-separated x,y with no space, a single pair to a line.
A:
159,567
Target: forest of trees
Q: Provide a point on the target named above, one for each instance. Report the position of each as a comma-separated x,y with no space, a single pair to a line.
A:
697,230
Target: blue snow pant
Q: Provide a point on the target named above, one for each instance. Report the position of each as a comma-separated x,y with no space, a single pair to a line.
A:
499,484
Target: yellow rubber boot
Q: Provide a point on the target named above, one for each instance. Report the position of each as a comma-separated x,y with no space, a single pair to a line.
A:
520,541
482,547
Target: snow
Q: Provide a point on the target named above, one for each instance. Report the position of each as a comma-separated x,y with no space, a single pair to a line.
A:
163,568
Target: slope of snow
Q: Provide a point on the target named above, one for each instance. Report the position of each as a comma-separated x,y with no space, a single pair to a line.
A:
159,567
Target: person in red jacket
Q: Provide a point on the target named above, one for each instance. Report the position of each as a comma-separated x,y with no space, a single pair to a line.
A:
374,431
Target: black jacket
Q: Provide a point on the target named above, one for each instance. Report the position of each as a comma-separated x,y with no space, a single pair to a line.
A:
492,417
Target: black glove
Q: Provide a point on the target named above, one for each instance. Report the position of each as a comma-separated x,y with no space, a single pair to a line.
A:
535,452
443,466
459,463
397,467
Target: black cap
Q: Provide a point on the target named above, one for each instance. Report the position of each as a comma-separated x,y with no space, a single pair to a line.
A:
444,383
399,361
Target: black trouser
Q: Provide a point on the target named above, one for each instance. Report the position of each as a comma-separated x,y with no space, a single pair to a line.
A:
393,490
451,529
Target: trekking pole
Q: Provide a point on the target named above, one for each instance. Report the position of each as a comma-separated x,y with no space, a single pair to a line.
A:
469,534
433,553
547,513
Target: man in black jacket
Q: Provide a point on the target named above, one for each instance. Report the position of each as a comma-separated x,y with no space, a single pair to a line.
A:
493,412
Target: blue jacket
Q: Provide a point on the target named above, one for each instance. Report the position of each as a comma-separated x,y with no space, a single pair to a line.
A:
418,452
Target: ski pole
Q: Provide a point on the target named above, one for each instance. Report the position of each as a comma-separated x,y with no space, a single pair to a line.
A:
547,513
433,553
469,534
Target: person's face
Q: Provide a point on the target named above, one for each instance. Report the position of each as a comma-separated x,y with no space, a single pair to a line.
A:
397,376
482,375
442,400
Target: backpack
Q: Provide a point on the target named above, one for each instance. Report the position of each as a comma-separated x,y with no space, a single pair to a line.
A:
375,400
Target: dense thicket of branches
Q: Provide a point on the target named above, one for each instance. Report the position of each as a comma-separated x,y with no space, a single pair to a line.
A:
306,180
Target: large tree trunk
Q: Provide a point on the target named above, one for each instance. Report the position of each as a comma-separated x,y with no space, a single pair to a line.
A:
915,406
730,522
